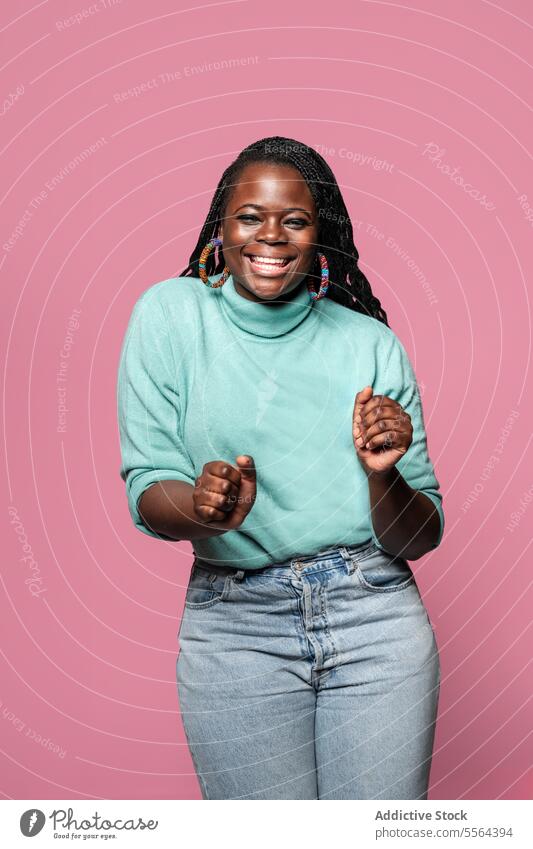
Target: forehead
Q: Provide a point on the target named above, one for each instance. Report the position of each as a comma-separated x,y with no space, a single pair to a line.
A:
270,185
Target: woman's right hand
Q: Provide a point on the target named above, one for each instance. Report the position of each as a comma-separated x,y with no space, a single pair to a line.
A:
224,495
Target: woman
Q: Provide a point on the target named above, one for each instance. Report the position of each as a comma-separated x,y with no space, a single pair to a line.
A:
277,424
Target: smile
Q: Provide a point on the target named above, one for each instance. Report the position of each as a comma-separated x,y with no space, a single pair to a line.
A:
270,266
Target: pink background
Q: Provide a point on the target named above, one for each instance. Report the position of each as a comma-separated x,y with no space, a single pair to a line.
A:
88,694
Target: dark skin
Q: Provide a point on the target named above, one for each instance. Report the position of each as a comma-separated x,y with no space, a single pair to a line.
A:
271,214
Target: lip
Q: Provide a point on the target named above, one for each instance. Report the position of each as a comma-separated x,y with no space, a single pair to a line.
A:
267,256
275,270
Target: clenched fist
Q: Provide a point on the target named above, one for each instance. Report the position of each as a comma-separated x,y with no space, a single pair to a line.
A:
224,495
382,431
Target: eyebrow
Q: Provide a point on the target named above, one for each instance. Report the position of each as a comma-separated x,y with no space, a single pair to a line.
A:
289,209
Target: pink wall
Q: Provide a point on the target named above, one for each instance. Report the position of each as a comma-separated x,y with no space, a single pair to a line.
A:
396,98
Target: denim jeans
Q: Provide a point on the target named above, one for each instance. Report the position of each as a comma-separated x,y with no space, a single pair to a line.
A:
315,678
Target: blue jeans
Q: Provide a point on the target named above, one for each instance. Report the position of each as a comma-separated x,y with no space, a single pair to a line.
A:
316,678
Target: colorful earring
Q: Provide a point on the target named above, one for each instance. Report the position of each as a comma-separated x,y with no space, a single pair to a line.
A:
324,280
213,243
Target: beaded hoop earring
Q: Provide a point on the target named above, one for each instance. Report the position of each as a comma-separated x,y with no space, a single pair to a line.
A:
324,280
213,243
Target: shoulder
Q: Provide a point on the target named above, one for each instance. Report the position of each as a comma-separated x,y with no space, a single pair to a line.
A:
179,301
172,293
358,326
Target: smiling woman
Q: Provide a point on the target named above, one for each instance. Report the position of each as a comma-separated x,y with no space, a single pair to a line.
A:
269,415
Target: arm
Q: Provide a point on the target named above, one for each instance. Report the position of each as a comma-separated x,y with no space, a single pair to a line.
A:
406,521
167,508
404,498
220,501
156,466
165,497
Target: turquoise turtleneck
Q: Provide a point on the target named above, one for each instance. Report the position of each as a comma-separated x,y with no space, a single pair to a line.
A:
207,374
266,320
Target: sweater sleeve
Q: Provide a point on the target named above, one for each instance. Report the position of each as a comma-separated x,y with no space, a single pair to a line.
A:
398,381
149,410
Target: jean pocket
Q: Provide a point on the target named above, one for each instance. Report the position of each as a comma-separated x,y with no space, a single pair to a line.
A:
381,572
205,588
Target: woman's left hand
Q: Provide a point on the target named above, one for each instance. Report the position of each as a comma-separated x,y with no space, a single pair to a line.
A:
382,431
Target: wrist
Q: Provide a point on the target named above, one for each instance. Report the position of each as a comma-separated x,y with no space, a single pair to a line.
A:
387,475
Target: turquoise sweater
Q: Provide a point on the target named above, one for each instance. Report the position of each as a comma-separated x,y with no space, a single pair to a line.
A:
206,374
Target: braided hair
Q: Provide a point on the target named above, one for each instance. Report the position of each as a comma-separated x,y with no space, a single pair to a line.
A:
348,285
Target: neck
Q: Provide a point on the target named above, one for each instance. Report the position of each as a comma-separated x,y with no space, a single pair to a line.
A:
266,318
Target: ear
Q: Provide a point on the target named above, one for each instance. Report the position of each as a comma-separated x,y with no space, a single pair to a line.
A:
220,233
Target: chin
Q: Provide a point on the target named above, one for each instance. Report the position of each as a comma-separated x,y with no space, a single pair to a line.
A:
265,287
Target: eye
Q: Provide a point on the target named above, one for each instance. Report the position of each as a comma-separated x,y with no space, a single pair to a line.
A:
297,223
247,217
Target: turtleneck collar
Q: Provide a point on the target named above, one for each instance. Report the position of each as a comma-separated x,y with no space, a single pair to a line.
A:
260,319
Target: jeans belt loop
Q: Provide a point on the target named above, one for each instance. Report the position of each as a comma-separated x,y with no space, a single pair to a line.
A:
350,565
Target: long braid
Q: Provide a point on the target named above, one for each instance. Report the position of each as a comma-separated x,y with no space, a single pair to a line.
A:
348,285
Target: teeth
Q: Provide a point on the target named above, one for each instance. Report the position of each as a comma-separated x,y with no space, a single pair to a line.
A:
263,260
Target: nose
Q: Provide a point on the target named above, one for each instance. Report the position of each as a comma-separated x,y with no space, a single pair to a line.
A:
270,231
